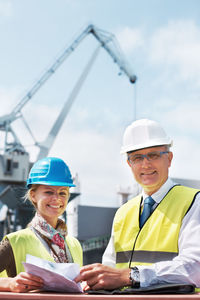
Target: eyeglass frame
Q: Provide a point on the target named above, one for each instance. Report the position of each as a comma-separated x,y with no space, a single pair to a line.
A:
142,156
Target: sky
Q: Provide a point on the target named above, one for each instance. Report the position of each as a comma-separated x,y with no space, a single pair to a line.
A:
161,42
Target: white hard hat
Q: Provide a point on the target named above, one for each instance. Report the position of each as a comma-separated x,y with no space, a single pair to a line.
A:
144,133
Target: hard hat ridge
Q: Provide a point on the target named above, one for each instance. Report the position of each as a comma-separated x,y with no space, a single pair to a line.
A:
144,133
50,171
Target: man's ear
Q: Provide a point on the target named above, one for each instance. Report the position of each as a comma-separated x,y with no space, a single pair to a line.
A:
128,162
170,157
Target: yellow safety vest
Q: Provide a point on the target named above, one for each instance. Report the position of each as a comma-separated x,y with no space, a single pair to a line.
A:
157,240
26,242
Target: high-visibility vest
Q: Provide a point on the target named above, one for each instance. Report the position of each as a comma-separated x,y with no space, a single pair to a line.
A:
26,242
157,240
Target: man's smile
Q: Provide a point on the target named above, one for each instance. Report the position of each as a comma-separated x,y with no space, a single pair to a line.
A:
148,173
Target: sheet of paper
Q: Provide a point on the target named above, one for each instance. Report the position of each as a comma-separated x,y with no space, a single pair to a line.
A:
57,276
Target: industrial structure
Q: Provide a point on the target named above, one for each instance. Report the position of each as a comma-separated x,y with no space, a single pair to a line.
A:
14,158
94,239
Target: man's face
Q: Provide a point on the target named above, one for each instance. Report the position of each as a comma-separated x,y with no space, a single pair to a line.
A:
151,174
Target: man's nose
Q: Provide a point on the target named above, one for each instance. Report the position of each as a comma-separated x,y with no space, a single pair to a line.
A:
145,161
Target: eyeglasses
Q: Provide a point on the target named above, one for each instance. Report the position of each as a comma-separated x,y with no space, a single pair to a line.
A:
151,156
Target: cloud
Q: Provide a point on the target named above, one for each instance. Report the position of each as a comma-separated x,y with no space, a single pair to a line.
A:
8,99
6,8
177,45
130,38
186,118
96,158
186,158
181,123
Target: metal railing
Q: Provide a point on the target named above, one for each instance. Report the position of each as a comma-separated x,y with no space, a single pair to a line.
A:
95,243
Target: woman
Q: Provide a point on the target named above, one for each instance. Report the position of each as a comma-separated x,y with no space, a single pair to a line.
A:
46,235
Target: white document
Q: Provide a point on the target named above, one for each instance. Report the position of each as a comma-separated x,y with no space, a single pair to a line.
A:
57,276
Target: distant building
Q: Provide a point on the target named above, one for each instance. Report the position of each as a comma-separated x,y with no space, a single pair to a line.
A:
92,226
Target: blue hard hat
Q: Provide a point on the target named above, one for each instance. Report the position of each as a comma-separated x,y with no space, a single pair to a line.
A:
50,171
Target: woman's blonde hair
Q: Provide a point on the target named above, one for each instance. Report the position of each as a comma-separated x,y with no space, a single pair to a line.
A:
28,196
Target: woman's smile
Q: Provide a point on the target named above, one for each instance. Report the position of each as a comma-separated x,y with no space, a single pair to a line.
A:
51,202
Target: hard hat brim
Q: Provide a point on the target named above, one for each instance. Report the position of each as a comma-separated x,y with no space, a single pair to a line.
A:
166,142
52,183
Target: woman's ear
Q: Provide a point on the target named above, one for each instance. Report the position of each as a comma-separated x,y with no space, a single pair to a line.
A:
32,196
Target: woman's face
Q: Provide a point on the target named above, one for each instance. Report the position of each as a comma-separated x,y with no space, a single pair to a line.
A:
50,201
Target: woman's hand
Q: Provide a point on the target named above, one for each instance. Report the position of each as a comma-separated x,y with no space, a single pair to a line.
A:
24,282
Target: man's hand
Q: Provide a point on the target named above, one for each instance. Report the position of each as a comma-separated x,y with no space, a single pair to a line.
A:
99,277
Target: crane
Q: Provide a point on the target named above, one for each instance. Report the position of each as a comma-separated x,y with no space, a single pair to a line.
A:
106,40
14,161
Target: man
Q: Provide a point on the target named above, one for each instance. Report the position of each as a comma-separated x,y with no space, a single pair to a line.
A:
154,239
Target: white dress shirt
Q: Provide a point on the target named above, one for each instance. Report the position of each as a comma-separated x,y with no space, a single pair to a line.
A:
185,267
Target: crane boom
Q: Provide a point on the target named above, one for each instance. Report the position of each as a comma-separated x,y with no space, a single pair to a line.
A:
50,71
106,40
103,37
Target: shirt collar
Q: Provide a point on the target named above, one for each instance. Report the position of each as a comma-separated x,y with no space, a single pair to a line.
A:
160,194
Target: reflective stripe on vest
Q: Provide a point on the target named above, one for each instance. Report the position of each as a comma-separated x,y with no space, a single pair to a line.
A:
149,257
158,238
